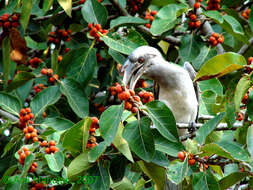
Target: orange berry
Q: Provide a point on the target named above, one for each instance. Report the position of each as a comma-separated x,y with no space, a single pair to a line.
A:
216,35
128,106
153,13
25,149
52,148
35,139
47,150
31,115
94,120
181,155
197,24
35,164
27,152
119,89
22,156
30,128
25,130
19,151
5,17
193,17
44,143
134,110
27,136
50,72
196,5
250,60
124,95
220,40
33,169
191,162
43,71
212,39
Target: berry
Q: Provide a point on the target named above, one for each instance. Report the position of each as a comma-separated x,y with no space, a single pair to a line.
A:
181,155
196,5
191,162
25,149
14,18
47,150
43,71
239,116
5,17
27,136
193,17
250,60
52,143
7,24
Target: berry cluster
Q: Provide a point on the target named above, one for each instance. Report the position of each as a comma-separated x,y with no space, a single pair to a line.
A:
58,35
99,57
141,83
134,5
192,159
246,13
34,62
95,29
213,5
250,63
25,117
146,96
49,72
197,4
49,147
100,108
150,16
31,133
215,39
92,139
7,21
194,22
23,153
39,87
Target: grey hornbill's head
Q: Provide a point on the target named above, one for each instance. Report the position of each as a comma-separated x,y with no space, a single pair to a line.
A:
138,63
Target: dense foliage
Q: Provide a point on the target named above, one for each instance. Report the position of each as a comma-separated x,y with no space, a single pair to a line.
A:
67,121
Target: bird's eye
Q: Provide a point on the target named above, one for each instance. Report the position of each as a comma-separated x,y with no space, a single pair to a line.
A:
141,60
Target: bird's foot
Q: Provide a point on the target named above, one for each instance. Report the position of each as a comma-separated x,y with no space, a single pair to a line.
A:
192,127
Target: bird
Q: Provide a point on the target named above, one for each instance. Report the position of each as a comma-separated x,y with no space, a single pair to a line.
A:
177,88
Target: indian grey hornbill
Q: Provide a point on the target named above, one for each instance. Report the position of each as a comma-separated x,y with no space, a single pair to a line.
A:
176,87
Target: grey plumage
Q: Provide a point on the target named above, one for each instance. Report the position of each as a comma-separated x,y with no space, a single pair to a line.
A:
176,87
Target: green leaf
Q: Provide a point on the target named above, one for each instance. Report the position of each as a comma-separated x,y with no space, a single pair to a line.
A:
55,161
250,140
205,180
10,103
250,104
231,179
35,45
96,151
235,25
101,174
138,135
54,59
126,44
121,144
208,127
28,162
163,119
81,133
76,97
45,98
191,47
57,123
66,5
215,15
164,145
166,17
251,18
205,54
211,84
156,173
220,65
20,79
177,171
24,90
117,56
94,12
6,58
25,13
124,184
124,20
242,87
79,165
109,122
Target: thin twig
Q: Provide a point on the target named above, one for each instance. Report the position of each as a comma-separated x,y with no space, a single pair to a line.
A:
245,47
8,115
220,127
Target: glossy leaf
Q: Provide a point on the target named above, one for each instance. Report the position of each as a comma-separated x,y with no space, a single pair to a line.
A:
177,171
251,18
109,122
126,44
121,144
20,79
57,123
207,128
140,139
231,179
154,172
220,65
242,87
215,15
76,97
250,140
94,12
66,5
163,119
96,151
10,103
6,59
211,84
205,180
124,184
165,18
55,161
81,133
124,20
79,165
45,98
205,54
250,105
25,13
24,90
117,56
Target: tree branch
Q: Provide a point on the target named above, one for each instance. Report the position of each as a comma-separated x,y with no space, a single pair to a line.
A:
245,47
8,115
206,27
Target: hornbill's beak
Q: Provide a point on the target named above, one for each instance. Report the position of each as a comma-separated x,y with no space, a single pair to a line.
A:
132,73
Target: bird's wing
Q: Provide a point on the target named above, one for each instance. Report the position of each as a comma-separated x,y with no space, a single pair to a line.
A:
188,67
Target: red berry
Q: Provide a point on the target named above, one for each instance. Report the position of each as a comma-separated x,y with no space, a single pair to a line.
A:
191,162
181,155
7,24
90,25
14,18
153,13
52,143
196,5
193,17
47,150
43,71
5,17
